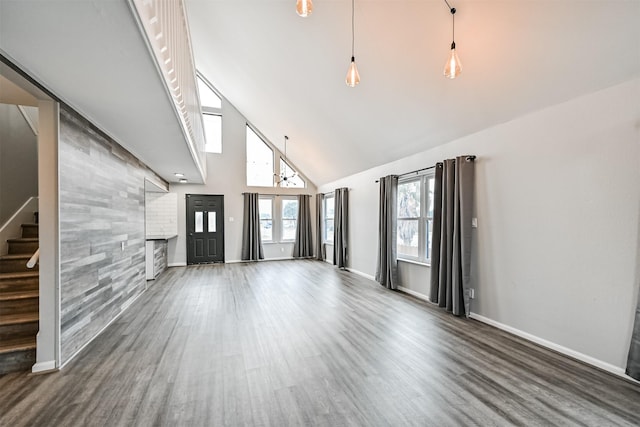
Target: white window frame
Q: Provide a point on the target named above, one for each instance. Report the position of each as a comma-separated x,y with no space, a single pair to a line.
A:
325,237
211,111
424,257
273,220
282,219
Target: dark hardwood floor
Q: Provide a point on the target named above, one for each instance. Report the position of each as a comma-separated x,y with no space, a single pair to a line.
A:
301,343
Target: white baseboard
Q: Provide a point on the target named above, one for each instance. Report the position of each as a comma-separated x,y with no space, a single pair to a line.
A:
177,264
360,273
414,293
553,346
42,367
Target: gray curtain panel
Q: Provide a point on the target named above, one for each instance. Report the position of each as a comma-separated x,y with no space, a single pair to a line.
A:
303,246
387,267
320,254
251,241
633,360
451,239
340,227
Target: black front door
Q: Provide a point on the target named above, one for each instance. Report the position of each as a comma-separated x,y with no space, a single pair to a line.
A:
205,229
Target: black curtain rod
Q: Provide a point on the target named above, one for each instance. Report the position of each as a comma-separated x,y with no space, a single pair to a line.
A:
468,158
281,195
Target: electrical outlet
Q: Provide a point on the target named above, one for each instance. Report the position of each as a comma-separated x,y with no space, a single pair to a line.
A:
122,246
472,293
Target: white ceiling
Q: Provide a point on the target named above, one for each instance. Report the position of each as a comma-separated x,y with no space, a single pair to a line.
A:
286,73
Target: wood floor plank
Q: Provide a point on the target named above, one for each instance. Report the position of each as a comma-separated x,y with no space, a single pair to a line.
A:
302,343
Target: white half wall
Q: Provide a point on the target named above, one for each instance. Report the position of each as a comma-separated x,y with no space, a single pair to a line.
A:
226,175
557,200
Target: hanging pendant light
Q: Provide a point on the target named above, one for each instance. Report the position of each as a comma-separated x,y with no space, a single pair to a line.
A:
453,67
304,7
285,180
353,77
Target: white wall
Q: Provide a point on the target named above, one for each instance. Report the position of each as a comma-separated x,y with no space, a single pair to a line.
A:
557,201
226,175
18,161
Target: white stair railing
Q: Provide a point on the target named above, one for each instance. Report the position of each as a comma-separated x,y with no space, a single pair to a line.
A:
34,259
167,31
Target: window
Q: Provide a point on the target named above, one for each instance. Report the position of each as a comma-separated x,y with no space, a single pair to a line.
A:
415,218
327,216
259,161
212,132
293,179
265,206
211,107
289,219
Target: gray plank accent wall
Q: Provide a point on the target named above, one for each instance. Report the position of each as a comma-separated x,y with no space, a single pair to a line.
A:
101,206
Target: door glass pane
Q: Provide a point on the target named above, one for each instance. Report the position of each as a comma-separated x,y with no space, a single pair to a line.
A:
199,224
212,222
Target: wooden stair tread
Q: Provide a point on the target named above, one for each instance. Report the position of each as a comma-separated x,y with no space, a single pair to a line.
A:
15,319
23,240
15,256
17,344
19,275
18,295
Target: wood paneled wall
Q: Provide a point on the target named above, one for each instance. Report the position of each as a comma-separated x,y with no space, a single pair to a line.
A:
101,209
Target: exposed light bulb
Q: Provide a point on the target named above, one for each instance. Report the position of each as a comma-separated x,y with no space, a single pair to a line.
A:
353,78
304,7
453,67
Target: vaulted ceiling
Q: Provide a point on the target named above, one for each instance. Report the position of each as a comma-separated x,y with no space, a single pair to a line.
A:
286,74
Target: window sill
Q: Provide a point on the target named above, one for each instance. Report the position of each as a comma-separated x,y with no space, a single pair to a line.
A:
284,242
327,243
411,261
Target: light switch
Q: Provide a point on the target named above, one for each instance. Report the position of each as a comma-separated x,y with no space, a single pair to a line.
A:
230,219
474,222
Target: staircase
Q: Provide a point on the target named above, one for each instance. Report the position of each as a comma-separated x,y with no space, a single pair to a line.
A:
19,303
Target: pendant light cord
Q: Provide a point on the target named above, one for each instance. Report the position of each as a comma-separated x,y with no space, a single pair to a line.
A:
353,29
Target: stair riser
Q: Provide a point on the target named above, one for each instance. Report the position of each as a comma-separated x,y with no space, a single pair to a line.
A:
17,361
19,306
15,285
29,231
16,266
22,247
21,330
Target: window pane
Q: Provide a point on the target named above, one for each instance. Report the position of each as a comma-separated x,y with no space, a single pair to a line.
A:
430,186
408,237
212,133
208,97
289,209
328,207
259,161
211,219
409,199
328,227
199,222
265,207
292,178
289,229
266,230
